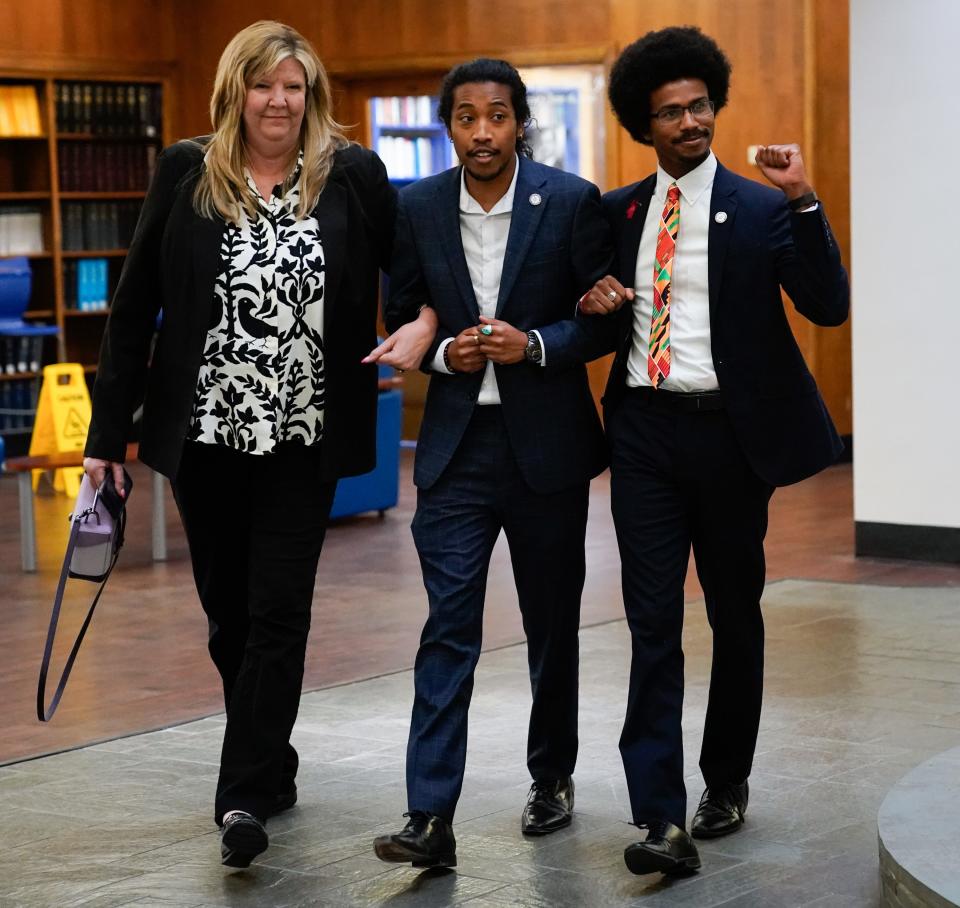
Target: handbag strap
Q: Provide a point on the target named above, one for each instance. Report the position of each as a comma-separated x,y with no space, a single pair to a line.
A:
44,713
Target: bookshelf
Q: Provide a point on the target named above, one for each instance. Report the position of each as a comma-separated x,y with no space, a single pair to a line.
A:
70,194
409,138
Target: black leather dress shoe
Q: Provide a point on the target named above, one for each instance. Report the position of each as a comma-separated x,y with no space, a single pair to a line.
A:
667,849
549,807
242,838
721,811
426,841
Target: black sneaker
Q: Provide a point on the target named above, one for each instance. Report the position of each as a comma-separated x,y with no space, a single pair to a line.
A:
242,838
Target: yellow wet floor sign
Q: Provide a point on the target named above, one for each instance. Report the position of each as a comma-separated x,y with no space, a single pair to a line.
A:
63,418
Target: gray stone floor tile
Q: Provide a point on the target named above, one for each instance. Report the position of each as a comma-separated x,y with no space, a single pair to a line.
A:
564,887
53,884
402,887
129,822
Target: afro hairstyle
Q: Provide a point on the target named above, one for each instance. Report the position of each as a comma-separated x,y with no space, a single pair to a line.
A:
679,52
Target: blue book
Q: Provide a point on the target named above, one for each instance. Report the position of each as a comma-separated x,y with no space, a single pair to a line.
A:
83,285
101,294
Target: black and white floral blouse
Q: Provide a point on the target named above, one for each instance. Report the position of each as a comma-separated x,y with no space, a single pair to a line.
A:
262,376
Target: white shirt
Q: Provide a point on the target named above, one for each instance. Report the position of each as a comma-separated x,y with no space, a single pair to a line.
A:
691,360
484,237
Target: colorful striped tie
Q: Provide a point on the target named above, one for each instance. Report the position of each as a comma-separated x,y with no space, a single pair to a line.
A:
658,360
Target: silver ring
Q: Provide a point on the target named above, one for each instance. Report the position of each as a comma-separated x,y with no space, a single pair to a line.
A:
612,296
486,330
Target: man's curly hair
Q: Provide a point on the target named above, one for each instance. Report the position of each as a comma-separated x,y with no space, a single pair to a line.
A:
485,69
679,52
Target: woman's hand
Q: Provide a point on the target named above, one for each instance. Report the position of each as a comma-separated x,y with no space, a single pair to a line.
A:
96,469
405,348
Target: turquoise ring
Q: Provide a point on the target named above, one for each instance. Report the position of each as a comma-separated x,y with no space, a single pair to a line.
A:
486,330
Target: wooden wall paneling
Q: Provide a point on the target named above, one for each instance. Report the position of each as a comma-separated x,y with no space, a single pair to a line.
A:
422,28
380,37
74,35
829,34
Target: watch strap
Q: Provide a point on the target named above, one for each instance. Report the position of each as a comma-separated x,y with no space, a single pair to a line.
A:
803,201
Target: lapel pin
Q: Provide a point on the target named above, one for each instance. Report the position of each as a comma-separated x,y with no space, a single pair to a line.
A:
720,217
535,198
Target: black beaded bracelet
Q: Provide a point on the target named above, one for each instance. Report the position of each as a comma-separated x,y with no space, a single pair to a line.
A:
446,358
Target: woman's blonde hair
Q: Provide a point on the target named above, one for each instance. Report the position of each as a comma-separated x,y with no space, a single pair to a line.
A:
251,54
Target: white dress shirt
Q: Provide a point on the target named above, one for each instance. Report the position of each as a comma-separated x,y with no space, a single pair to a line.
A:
484,237
691,361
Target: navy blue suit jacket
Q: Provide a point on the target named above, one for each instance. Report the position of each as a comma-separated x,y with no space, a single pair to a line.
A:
777,413
556,250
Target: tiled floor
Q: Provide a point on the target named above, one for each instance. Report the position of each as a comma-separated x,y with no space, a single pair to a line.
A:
863,682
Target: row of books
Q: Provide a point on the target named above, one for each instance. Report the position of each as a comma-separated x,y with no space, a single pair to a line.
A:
20,353
408,159
109,109
99,225
404,111
19,111
21,230
105,166
86,285
18,405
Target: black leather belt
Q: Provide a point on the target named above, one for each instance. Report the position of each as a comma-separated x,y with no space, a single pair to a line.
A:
682,401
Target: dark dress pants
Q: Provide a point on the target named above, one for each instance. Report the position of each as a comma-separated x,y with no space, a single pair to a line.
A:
455,527
255,526
680,479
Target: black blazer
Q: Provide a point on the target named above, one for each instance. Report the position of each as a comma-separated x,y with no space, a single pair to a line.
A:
558,246
776,410
172,265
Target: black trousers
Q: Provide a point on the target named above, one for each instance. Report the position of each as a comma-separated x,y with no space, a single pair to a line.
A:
455,528
255,525
680,479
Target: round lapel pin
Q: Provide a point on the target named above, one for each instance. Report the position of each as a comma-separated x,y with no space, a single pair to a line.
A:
535,198
720,217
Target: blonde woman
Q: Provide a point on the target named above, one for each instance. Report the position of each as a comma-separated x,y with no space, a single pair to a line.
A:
261,244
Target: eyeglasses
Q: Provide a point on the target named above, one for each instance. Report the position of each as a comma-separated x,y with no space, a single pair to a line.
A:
701,109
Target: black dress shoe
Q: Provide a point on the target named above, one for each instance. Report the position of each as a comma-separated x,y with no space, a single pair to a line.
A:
242,838
721,811
426,841
667,849
549,807
285,800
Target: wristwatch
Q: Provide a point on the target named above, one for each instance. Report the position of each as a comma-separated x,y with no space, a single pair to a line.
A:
803,201
533,352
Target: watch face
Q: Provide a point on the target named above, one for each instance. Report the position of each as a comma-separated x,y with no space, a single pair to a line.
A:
533,351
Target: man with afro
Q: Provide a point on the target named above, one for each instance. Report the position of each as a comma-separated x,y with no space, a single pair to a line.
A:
709,407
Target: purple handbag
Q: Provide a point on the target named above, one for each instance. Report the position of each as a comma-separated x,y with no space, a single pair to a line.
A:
96,536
